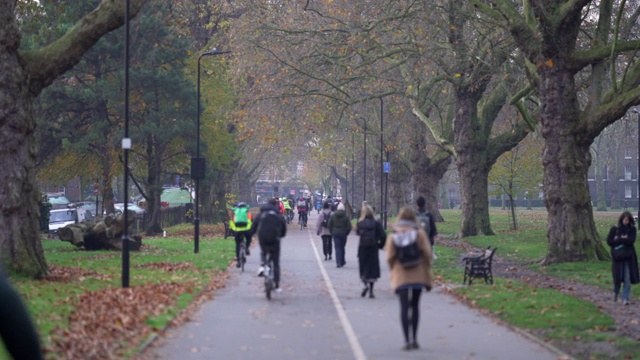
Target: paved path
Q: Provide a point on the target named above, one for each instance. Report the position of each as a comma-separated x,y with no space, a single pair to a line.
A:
320,315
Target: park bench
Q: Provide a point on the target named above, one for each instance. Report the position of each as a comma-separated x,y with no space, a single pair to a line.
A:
479,266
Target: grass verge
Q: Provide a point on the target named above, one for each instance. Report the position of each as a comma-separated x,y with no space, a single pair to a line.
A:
85,287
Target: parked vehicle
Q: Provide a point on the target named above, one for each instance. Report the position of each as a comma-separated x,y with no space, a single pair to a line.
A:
133,207
58,200
71,214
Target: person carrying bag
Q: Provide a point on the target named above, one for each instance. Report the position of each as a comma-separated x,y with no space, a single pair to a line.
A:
624,267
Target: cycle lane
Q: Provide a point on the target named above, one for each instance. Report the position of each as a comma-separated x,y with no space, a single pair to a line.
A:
240,323
320,315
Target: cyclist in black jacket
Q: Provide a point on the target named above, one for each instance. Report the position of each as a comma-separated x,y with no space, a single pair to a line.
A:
270,227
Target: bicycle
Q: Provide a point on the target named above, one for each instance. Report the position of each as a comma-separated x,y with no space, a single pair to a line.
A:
269,282
242,256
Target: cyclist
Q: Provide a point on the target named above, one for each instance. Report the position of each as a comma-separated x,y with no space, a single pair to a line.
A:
302,211
287,208
279,206
291,205
270,227
241,226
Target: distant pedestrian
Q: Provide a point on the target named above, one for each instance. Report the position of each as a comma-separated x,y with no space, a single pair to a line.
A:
340,227
372,239
427,222
409,278
624,268
322,226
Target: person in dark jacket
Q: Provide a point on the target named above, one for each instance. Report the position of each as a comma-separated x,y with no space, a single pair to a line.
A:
624,267
324,232
433,232
372,238
340,227
16,328
270,226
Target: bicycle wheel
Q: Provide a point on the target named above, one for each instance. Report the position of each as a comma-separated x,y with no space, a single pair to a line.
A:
243,257
268,279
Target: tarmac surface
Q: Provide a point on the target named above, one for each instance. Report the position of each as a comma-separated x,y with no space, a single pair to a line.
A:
320,315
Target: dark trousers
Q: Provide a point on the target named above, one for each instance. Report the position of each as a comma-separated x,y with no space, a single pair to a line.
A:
239,235
409,312
340,241
274,253
326,245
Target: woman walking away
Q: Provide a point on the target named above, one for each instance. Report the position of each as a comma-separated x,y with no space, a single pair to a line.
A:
372,238
340,227
625,261
322,226
409,258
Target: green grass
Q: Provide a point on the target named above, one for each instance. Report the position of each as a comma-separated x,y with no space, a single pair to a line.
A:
559,318
52,302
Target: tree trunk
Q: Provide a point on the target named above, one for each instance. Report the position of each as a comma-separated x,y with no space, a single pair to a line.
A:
427,173
23,75
473,167
20,246
571,232
154,187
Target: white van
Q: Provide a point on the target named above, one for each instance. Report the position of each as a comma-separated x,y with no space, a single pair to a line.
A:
59,218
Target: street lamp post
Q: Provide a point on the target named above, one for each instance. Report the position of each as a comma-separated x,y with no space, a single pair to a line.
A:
364,181
126,146
382,198
197,162
638,172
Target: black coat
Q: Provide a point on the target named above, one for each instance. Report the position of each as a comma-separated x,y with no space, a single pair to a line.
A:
368,255
272,219
614,240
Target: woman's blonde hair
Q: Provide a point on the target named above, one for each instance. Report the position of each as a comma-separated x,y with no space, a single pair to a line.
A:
407,213
365,211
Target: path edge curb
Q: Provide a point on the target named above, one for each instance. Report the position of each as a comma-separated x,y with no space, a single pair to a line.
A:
561,354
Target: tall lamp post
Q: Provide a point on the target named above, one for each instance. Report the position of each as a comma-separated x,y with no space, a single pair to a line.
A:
126,146
638,172
382,199
197,162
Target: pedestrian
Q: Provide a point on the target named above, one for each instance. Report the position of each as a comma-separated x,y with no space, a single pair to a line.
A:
372,239
340,226
409,274
624,267
427,222
322,226
16,328
270,226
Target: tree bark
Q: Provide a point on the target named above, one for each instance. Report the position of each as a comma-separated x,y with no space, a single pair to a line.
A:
571,232
473,166
427,173
23,76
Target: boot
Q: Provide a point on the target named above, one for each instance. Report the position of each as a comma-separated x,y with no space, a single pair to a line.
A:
365,290
371,296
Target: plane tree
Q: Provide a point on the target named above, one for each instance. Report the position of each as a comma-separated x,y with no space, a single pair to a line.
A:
574,47
24,74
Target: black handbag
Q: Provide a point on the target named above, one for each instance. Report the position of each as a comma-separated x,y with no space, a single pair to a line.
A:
621,253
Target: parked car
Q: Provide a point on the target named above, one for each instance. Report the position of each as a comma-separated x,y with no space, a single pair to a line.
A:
133,207
58,200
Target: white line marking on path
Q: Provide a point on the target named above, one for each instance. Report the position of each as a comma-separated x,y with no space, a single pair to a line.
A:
356,348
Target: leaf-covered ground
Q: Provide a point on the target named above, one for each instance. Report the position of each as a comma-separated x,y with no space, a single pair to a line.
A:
106,320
